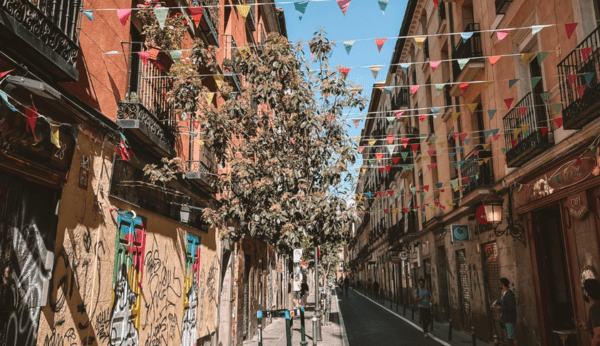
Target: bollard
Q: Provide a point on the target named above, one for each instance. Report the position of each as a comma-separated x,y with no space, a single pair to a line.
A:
496,343
450,330
314,323
288,331
302,330
259,315
473,340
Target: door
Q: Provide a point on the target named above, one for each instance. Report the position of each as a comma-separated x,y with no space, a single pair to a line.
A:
443,313
553,274
491,278
535,70
464,289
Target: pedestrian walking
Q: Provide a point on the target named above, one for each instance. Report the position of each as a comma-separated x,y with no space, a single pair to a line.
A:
297,286
424,301
591,294
376,290
346,285
508,309
304,289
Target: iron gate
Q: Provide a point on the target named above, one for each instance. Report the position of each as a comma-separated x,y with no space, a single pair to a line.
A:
464,288
491,272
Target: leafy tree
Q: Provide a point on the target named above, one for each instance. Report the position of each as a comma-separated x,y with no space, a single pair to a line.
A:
285,146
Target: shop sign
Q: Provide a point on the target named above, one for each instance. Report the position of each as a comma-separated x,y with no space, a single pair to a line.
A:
395,259
460,233
297,255
572,172
403,256
578,205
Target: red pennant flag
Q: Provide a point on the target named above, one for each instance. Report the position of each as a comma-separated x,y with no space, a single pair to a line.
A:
405,141
443,207
379,156
463,87
395,160
544,131
523,110
432,166
435,3
386,210
580,90
463,136
32,115
466,180
496,137
388,167
345,71
2,74
570,28
381,169
455,134
196,14
405,210
390,139
390,192
442,190
476,152
585,53
513,142
426,188
431,152
572,79
422,117
379,193
379,42
508,102
415,147
195,124
494,59
398,114
144,56
558,121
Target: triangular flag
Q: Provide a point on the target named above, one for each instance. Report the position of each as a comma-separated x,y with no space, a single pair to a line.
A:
379,156
388,167
455,116
535,81
390,119
432,138
382,5
390,192
570,29
388,90
525,128
472,106
356,122
219,80
405,141
4,97
436,3
209,98
124,15
398,114
544,97
54,133
463,136
572,78
415,147
31,115
541,56
344,71
462,62
536,28
343,5
439,185
414,88
161,15
501,34
404,155
175,55
503,150
588,77
496,137
348,46
491,113
396,160
379,42
463,87
442,144
372,142
525,57
435,110
557,107
467,141
431,152
508,102
580,90
422,117
544,130
390,139
391,148
516,132
523,110
512,82
585,52
439,88
404,66
300,8
434,65
466,35
196,14
494,59
360,149
89,15
381,171
558,121
243,10
487,133
419,40
144,56
375,70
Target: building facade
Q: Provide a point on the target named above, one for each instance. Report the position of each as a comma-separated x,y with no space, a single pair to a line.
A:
499,115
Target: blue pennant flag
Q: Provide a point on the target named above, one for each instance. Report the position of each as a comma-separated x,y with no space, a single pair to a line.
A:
512,82
452,154
348,46
491,113
487,133
368,194
468,140
435,110
89,15
439,185
466,35
404,67
495,131
382,5
588,77
5,99
300,8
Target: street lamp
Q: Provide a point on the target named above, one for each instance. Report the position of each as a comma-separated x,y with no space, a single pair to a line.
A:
493,211
184,213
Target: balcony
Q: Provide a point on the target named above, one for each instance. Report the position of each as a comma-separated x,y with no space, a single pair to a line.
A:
208,27
396,232
481,177
580,111
43,35
470,49
524,147
502,6
229,53
251,21
402,99
204,169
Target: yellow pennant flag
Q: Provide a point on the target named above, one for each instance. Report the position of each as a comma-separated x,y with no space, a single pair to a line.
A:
371,143
517,131
485,146
201,142
219,78
525,127
441,144
456,188
245,50
395,211
209,97
525,57
425,157
486,159
244,10
455,116
472,106
54,135
480,163
420,41
487,84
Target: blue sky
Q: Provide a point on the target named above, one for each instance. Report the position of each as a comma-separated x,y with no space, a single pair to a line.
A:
363,20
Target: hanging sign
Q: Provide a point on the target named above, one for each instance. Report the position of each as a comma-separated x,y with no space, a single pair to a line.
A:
578,205
480,215
460,233
297,255
403,256
395,259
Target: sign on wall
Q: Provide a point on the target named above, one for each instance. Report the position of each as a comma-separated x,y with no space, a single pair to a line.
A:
297,255
460,233
578,205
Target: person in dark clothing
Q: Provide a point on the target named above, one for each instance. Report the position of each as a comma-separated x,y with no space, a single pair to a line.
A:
591,291
376,290
508,309
304,290
346,285
424,299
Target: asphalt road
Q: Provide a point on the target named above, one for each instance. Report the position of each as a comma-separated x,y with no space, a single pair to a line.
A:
370,324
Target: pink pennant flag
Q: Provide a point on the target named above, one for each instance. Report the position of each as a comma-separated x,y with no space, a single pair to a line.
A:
502,34
580,90
343,5
496,137
293,141
380,42
32,115
494,59
312,55
434,65
196,14
398,114
360,149
431,166
476,152
144,56
124,15
463,136
422,117
559,122
508,102
431,152
523,110
2,74
585,53
570,28
414,88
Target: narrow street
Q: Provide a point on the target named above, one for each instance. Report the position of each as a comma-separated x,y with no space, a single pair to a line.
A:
368,323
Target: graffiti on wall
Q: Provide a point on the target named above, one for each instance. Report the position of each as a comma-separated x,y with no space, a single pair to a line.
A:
127,280
190,297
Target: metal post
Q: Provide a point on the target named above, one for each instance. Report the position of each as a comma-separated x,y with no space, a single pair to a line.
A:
314,325
259,315
473,339
302,329
317,315
450,329
288,328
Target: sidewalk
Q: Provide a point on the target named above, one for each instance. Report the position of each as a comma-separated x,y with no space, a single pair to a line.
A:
440,330
332,331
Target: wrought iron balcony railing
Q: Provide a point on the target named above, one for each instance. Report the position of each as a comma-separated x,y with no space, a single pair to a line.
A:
252,15
43,34
396,231
471,48
134,116
202,166
209,27
479,171
502,6
535,133
580,76
402,99
230,53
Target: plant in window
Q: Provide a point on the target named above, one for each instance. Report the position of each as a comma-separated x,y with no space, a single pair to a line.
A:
168,37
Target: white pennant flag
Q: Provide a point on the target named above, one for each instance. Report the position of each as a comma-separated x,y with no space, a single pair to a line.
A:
375,70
